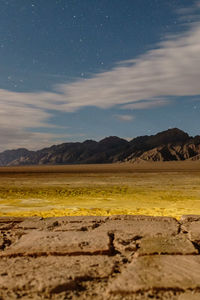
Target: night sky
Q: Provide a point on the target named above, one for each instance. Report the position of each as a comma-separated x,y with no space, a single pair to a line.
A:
73,70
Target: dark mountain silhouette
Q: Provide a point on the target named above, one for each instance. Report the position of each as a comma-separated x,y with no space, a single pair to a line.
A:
170,145
8,156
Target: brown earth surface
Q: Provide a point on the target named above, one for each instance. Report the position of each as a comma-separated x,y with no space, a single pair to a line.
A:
116,257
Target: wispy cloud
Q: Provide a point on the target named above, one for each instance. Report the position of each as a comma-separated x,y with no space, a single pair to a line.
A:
172,68
146,104
18,137
126,118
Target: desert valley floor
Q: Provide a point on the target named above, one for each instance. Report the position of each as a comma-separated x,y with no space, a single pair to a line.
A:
158,189
100,232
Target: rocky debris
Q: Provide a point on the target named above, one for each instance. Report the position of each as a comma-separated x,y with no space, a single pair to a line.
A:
189,218
191,226
193,230
189,296
72,223
166,245
117,257
63,243
166,272
9,222
1,242
50,275
136,227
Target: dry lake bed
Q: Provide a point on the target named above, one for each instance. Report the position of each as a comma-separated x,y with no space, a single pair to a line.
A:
77,232
88,257
157,189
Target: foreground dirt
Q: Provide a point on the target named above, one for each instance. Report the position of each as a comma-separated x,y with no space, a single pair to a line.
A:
118,257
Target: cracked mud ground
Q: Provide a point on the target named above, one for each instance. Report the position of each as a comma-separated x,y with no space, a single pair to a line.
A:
118,257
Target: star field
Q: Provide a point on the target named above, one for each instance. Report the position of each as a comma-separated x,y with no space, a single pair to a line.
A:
72,63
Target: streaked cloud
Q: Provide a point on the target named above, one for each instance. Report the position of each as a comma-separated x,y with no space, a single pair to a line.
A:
17,137
171,69
146,104
126,118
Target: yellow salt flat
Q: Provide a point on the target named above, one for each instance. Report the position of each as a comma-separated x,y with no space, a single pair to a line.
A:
157,189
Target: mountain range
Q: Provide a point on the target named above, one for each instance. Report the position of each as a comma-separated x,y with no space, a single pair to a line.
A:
170,145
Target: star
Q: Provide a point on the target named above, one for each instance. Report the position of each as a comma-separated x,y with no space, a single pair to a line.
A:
34,61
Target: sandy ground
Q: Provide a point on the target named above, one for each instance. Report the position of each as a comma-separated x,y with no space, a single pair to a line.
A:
116,257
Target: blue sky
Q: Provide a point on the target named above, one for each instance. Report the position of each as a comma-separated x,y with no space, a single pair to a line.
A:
85,69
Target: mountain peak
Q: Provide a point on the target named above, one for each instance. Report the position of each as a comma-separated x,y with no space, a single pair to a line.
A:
172,135
113,140
174,130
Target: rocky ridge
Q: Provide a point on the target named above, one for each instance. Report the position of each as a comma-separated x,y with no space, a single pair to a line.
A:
170,145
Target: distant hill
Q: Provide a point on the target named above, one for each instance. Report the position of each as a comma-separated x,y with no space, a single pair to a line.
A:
169,145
